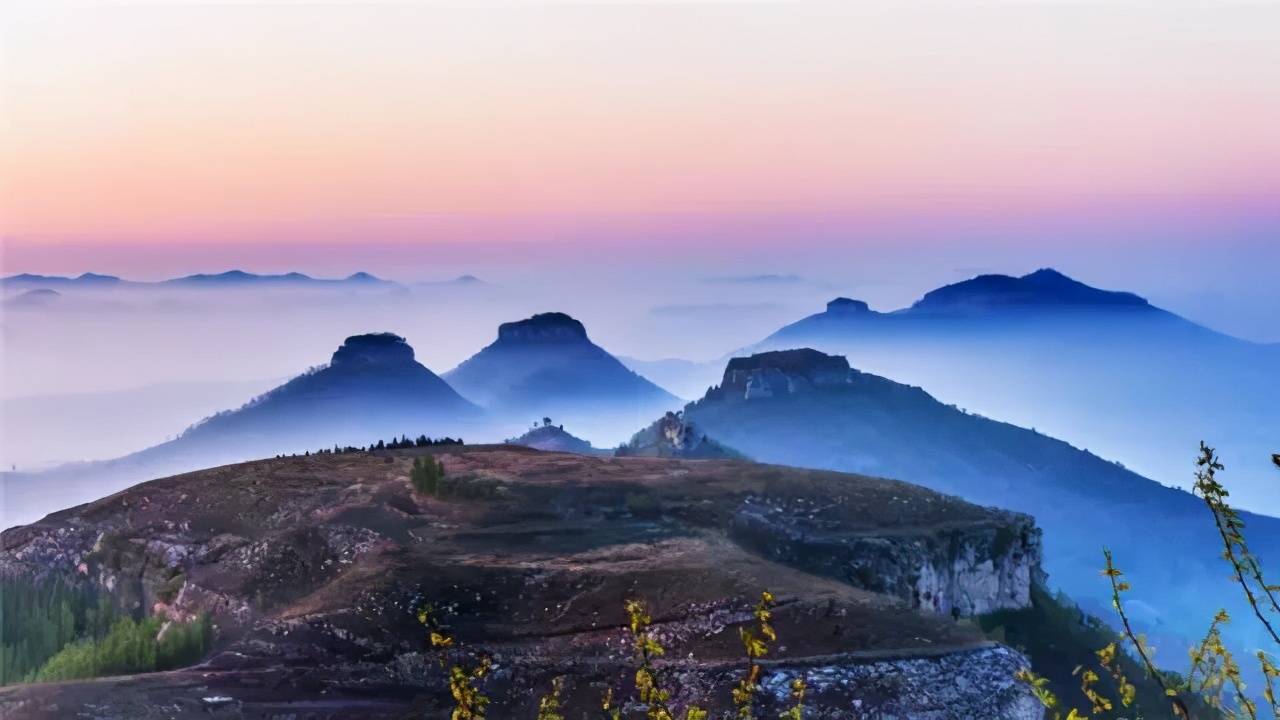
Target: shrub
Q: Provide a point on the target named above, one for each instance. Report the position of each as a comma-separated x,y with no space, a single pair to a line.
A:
426,474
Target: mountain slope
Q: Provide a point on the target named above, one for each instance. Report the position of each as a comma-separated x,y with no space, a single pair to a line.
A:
546,365
371,389
1104,370
313,569
803,407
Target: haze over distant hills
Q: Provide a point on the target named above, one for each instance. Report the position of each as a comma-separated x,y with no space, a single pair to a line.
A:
547,366
1102,369
37,298
809,409
230,278
371,389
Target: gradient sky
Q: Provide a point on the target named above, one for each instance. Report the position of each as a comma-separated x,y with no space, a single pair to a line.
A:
706,127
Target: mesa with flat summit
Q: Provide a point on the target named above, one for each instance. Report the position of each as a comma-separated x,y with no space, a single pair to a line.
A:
372,388
546,365
313,568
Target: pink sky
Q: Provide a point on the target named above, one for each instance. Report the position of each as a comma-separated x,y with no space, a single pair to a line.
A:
228,122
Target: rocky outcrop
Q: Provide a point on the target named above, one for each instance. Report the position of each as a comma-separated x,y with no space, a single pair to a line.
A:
673,436
375,349
312,569
543,327
846,306
545,365
783,372
961,571
925,688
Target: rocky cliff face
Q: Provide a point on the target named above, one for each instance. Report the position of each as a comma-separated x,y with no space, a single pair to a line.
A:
959,571
846,306
312,569
372,350
543,327
783,372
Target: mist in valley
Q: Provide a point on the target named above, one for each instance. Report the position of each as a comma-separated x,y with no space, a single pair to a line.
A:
94,374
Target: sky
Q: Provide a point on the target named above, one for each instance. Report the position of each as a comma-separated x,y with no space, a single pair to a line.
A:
1134,144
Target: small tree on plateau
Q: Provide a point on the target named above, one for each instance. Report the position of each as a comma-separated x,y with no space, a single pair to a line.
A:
426,474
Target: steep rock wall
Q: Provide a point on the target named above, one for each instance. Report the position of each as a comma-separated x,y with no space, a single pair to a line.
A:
966,570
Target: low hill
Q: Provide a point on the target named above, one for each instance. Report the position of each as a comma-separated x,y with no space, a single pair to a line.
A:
554,438
313,569
37,298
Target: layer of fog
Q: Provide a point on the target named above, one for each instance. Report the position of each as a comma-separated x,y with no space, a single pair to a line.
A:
98,374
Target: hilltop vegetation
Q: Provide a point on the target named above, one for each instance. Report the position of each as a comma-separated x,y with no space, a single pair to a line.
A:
313,568
60,628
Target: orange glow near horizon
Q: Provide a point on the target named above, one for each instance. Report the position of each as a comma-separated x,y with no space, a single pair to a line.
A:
152,120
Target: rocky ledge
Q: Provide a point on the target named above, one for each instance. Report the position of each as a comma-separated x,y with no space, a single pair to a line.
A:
543,327
372,349
781,372
312,569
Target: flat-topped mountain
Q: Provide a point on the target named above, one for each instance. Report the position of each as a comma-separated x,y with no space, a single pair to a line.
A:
312,569
372,388
546,365
806,408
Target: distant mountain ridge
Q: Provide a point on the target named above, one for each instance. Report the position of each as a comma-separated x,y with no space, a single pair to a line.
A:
1044,288
230,278
1103,369
29,280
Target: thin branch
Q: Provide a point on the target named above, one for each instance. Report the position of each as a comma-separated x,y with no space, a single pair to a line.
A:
1117,586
